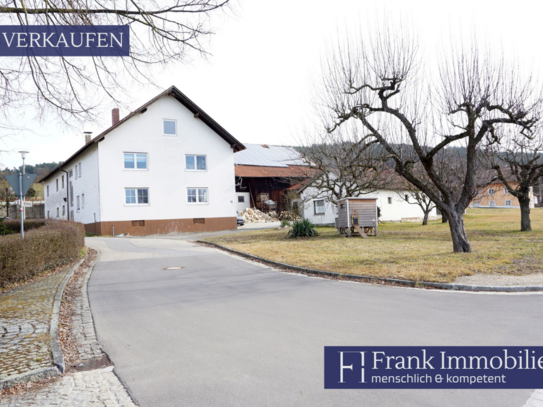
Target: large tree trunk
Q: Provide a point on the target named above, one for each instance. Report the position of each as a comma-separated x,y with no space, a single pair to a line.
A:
458,233
425,219
443,217
525,224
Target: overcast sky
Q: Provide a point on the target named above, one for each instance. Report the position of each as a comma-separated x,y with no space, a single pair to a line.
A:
257,82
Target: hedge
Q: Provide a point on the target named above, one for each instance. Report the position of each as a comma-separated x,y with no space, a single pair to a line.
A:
15,225
45,248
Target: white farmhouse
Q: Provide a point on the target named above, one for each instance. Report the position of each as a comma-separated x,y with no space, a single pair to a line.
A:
166,167
395,205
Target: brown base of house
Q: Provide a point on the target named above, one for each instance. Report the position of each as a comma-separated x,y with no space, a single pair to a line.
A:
154,227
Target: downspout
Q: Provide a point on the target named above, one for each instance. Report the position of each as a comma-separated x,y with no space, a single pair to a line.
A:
67,192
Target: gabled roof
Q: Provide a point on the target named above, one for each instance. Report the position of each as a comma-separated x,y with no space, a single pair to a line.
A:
185,101
263,155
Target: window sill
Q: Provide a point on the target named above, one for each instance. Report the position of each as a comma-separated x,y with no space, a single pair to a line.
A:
197,203
135,169
137,204
187,170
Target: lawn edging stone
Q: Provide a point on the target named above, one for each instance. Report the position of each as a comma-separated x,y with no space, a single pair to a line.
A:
392,281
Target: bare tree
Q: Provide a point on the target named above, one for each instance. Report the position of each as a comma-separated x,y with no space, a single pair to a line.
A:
162,32
419,116
342,164
518,162
414,196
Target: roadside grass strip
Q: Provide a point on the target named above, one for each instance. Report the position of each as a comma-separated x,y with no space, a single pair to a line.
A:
409,251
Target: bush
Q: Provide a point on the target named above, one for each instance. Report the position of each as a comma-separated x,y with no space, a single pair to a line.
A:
15,225
302,228
4,230
53,245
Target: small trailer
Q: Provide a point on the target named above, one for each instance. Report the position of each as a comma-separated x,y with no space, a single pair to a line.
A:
357,215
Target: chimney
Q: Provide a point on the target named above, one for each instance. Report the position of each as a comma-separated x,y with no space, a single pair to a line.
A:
88,136
114,116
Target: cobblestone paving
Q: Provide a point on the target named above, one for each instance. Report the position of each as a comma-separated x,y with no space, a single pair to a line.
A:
93,388
83,325
25,314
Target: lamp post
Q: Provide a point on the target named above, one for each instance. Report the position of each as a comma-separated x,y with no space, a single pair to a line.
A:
22,198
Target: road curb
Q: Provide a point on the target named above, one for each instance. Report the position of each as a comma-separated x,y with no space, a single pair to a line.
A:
393,281
58,357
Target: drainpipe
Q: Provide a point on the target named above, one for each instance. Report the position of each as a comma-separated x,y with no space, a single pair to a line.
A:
67,184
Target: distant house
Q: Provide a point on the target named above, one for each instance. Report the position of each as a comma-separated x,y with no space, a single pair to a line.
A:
392,207
166,167
264,173
496,195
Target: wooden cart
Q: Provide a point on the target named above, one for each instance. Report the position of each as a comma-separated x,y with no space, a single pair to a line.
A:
357,215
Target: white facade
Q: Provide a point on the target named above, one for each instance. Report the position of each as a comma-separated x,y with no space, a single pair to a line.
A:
102,180
243,201
393,208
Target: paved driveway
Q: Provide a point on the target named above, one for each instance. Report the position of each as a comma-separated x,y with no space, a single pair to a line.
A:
226,332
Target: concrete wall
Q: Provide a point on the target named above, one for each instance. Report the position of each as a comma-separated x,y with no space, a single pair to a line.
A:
240,206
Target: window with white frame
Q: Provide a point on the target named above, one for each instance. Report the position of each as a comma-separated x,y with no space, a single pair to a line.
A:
492,203
505,191
82,201
476,204
57,184
491,191
196,162
507,202
318,206
197,195
78,203
76,172
170,127
71,173
135,161
80,173
136,196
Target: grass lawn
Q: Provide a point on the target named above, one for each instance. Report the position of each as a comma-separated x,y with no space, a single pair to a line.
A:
409,250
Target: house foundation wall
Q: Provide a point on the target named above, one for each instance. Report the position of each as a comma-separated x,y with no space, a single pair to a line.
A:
161,226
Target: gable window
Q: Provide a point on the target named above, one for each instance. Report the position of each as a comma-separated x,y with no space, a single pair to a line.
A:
135,161
196,195
507,202
492,203
241,198
136,196
80,173
76,172
389,200
170,127
318,206
71,173
505,191
491,191
196,162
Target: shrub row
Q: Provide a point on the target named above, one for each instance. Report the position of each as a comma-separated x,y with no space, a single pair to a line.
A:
14,226
46,248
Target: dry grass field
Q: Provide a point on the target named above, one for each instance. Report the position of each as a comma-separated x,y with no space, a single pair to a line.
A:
409,250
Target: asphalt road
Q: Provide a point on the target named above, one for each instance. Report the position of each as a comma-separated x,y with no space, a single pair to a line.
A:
226,332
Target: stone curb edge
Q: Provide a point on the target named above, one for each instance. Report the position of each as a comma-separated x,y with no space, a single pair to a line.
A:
408,283
58,357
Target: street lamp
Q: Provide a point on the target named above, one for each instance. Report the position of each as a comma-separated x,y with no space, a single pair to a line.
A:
22,199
